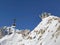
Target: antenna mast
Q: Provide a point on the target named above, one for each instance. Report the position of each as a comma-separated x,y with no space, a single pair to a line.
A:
14,23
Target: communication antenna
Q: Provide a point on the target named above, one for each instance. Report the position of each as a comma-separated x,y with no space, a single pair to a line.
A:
14,22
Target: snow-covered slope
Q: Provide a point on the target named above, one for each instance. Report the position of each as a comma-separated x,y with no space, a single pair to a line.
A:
47,32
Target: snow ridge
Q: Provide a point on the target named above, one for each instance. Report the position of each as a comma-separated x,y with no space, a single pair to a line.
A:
47,32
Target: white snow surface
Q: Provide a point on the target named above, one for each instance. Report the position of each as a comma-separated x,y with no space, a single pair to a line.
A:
47,32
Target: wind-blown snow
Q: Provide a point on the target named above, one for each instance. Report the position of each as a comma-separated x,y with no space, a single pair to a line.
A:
46,33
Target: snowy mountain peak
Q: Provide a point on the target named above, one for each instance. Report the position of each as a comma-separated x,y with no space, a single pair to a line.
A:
47,32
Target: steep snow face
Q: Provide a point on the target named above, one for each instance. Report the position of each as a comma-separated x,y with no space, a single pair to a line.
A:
46,33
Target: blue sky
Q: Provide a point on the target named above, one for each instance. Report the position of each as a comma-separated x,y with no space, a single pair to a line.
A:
26,12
